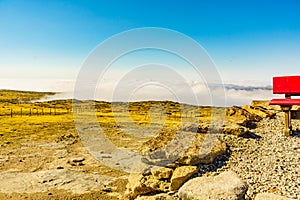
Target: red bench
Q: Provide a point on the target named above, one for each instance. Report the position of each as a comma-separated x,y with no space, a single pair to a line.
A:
289,86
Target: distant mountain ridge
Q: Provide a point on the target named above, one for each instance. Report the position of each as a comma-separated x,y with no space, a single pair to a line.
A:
247,88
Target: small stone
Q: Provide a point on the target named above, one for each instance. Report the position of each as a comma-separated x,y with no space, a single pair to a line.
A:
106,156
235,129
61,153
76,160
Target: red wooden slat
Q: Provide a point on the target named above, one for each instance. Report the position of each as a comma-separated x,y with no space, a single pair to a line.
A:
285,102
289,85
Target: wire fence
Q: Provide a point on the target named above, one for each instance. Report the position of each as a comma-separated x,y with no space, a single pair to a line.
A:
33,111
27,111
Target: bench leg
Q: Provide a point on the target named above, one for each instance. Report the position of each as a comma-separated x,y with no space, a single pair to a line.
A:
288,127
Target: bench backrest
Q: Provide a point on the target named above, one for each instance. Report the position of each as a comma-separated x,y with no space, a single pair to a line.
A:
289,85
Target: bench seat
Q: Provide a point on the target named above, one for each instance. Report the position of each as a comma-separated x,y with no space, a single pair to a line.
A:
285,102
289,86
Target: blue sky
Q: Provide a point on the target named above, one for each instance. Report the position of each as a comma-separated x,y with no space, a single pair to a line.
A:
248,40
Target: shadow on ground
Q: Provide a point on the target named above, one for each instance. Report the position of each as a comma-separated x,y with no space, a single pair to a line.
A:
251,135
296,133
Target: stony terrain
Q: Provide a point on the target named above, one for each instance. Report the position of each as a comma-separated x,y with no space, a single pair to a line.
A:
267,160
42,156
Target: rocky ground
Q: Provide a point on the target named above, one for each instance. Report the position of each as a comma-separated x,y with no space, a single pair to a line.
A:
56,170
257,152
252,152
265,159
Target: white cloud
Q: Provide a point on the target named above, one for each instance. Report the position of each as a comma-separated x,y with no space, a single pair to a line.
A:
184,92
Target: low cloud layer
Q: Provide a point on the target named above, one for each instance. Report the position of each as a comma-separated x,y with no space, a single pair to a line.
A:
240,93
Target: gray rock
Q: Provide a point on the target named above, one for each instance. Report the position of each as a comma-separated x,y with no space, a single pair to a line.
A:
225,186
270,163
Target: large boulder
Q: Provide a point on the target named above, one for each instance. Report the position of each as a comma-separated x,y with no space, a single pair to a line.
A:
182,174
225,186
185,148
204,149
270,196
265,104
260,111
240,116
261,103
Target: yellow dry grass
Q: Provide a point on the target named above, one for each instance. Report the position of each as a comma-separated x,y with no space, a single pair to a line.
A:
49,121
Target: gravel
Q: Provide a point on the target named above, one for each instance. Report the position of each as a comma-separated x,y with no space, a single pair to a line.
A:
266,160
